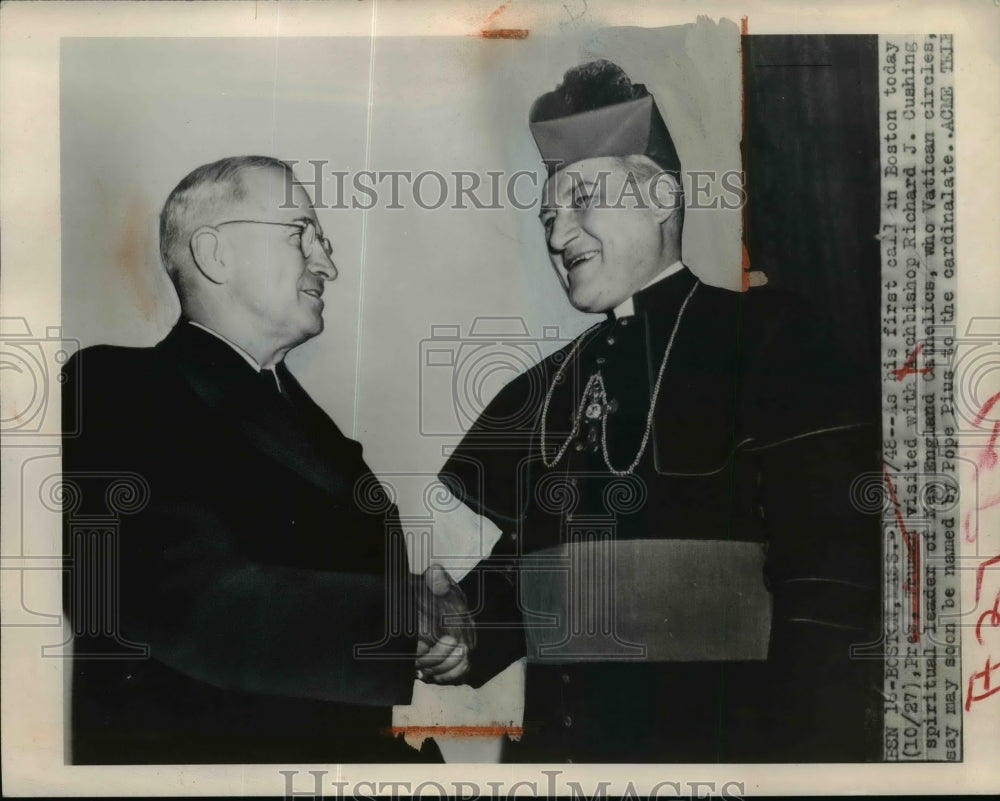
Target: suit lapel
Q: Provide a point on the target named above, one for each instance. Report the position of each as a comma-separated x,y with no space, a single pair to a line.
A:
299,435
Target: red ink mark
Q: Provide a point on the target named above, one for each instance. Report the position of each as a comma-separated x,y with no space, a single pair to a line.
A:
505,33
988,458
495,730
488,32
981,572
910,366
994,616
990,503
985,674
496,12
987,408
912,542
986,461
969,535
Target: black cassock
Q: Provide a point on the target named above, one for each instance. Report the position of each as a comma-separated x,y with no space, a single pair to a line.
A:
703,606
241,560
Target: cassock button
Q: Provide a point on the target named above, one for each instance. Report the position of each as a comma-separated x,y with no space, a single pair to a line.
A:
610,340
624,321
567,721
612,406
513,537
572,481
578,446
565,678
600,360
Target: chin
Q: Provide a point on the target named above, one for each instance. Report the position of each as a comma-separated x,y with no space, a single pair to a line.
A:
309,330
588,304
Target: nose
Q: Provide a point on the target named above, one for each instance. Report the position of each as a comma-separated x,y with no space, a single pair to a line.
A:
562,231
322,265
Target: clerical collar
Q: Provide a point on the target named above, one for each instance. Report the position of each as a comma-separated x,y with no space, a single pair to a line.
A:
249,359
627,308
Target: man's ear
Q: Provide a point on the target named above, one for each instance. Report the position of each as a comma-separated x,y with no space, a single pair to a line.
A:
210,254
666,195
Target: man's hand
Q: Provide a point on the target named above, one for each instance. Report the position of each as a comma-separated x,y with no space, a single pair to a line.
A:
443,663
446,631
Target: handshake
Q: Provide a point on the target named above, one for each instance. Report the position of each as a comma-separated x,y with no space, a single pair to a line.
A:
446,633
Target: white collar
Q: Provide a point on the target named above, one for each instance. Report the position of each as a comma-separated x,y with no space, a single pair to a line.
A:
627,308
249,359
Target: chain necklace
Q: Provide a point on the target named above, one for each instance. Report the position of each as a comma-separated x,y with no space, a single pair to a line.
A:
594,403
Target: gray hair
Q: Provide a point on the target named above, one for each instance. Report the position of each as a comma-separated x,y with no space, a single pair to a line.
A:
194,199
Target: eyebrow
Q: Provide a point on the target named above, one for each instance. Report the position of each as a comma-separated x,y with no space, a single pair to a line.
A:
586,183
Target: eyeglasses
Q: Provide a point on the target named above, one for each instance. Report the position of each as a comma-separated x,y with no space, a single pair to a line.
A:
308,238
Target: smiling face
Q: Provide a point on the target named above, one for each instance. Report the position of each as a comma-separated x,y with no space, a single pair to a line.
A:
277,289
603,232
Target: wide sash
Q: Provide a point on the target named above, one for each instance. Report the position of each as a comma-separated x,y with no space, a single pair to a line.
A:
645,600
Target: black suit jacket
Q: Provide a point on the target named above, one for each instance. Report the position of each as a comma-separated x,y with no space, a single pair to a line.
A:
237,609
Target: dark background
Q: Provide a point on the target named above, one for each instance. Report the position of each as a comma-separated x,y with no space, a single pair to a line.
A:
811,155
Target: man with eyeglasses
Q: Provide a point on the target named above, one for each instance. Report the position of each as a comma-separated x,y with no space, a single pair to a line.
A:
258,612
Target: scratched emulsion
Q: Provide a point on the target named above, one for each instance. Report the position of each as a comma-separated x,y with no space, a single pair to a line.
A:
923,695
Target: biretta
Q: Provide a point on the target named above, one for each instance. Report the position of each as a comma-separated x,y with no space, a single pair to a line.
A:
597,111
